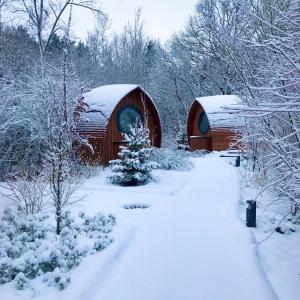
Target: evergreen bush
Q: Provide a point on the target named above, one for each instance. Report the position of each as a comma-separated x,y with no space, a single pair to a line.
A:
135,164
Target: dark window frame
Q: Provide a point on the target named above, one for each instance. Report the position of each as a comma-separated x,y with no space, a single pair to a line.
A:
200,123
122,109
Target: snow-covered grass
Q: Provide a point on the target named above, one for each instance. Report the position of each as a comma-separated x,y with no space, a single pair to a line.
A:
189,242
277,251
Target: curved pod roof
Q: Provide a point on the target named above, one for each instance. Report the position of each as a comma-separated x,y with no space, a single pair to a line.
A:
218,112
105,98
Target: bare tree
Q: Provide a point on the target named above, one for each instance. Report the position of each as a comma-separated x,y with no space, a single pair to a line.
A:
275,103
28,191
46,17
60,163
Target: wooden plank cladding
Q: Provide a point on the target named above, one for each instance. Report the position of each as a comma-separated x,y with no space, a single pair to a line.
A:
200,142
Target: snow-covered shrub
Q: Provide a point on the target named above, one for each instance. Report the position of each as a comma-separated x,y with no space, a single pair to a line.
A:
168,159
102,242
30,247
99,222
57,279
136,206
135,163
21,282
98,227
21,238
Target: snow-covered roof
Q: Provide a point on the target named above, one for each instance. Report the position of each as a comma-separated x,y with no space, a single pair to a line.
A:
218,112
92,122
106,97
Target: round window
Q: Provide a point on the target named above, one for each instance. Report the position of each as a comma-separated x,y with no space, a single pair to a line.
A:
128,116
203,124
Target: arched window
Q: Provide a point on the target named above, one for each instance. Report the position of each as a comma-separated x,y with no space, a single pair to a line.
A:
203,124
128,115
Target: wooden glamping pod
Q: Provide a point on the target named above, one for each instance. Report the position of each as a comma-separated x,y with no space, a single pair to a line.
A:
209,126
107,112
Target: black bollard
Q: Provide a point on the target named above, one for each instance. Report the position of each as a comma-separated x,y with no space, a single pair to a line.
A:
251,213
237,161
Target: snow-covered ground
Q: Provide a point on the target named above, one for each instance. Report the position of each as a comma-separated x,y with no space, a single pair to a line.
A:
190,243
278,254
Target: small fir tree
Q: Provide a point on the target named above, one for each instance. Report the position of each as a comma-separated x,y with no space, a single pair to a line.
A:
182,138
134,165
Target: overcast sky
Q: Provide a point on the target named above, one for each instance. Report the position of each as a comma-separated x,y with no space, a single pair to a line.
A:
161,17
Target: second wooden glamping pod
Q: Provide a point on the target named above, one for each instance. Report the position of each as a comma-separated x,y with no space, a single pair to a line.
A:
210,127
107,112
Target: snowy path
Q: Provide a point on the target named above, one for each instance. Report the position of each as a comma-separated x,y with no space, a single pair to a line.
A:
191,246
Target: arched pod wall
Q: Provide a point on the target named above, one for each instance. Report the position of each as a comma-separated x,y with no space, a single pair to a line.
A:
210,127
107,110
